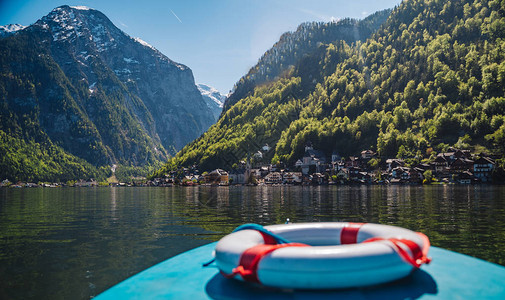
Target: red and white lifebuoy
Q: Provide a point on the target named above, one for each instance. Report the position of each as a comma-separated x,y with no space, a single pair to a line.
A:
322,255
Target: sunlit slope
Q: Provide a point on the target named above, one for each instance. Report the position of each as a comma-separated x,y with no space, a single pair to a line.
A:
433,75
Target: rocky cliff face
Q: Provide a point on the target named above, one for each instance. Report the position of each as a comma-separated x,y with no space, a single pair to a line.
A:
166,88
99,93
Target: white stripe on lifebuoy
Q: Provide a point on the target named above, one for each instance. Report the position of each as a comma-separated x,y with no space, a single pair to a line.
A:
326,264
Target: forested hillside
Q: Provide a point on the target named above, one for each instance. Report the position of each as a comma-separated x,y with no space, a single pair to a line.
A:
432,76
293,46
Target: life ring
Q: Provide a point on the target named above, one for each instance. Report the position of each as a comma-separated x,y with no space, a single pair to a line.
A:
321,255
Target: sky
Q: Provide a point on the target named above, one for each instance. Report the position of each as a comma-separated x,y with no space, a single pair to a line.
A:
220,40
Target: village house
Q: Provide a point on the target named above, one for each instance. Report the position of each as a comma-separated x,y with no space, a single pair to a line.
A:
166,180
273,177
353,162
465,177
416,175
422,167
402,173
239,176
192,179
292,177
367,154
440,164
392,163
218,176
312,161
483,168
454,154
461,164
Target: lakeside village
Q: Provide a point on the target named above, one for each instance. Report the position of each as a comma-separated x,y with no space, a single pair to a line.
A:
456,166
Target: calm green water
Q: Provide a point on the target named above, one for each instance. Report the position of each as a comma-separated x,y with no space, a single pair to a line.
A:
73,243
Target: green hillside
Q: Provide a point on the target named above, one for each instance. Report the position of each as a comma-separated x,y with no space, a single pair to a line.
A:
33,161
432,76
42,111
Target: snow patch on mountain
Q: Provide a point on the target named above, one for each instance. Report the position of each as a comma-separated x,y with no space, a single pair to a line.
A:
130,60
64,23
212,93
80,7
213,98
69,23
144,43
10,29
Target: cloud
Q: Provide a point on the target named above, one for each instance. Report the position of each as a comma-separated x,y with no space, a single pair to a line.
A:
123,24
176,16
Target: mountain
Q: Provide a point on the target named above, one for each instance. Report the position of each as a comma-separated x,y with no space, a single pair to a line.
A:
293,46
213,98
75,81
432,76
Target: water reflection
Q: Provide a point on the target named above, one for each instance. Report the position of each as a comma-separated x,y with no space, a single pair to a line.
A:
75,243
113,204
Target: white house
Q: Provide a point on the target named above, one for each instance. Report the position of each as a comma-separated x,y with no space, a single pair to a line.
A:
292,177
273,177
483,168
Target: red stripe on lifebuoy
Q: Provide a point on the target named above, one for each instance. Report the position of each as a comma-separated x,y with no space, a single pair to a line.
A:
349,233
418,256
250,259
426,243
268,239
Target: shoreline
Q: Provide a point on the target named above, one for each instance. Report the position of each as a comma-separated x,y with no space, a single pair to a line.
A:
52,186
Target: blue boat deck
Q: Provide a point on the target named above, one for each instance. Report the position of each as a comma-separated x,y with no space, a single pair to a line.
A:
450,276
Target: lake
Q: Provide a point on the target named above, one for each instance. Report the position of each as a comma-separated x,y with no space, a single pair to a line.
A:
73,243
